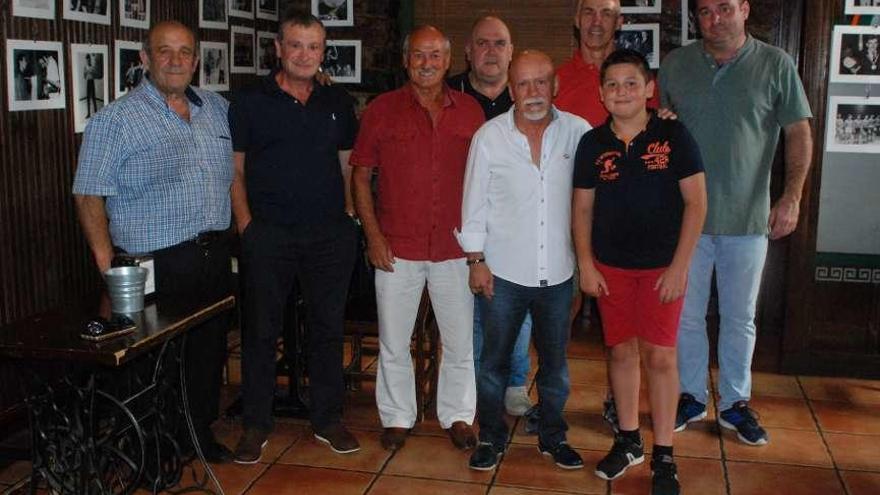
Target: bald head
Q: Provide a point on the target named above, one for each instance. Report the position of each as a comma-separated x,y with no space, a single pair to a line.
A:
489,50
160,28
532,82
531,59
423,33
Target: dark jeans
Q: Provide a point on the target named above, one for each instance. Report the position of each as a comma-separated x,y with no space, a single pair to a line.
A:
502,318
273,258
202,274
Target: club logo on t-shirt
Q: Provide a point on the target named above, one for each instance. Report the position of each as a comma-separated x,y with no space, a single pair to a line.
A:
607,165
657,157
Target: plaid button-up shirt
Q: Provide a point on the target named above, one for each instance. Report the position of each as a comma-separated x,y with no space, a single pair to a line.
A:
165,179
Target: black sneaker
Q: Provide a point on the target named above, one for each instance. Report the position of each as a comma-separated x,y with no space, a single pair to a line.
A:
665,478
485,457
743,420
609,414
250,446
563,455
624,453
689,410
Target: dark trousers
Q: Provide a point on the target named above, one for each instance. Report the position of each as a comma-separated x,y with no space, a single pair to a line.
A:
189,272
274,257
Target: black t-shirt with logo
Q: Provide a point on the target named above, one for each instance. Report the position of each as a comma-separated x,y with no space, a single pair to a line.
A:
638,206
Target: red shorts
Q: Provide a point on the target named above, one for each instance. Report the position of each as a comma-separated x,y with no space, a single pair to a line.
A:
634,309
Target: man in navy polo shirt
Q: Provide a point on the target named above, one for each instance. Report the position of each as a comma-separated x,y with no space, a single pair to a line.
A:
291,139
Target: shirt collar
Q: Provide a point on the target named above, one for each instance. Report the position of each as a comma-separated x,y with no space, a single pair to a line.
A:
152,91
450,98
608,134
270,85
747,47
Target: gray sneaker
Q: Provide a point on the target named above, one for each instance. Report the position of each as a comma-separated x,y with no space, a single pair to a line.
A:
250,446
516,401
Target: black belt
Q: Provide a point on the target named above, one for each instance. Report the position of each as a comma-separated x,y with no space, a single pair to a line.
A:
209,238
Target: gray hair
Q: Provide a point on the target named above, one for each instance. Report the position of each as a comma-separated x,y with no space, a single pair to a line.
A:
447,45
145,44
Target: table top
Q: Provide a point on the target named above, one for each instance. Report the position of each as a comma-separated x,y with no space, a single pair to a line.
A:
55,335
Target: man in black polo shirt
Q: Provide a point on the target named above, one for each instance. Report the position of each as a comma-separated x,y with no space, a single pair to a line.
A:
291,139
488,53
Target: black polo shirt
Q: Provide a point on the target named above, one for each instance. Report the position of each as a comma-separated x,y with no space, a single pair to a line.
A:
491,108
292,170
638,205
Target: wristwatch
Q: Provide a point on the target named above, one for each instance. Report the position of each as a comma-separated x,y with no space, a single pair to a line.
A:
475,261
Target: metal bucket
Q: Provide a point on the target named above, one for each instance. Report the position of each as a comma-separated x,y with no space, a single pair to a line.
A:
125,285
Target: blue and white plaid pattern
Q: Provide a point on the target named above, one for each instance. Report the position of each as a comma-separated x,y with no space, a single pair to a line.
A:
165,180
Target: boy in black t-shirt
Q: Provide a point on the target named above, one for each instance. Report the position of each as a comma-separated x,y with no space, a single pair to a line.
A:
638,209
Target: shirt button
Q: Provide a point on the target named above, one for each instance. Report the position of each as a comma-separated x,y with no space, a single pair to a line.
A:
542,223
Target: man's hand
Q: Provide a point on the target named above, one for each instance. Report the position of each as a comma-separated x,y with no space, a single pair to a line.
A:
784,217
666,114
592,282
323,78
242,225
480,280
380,254
671,284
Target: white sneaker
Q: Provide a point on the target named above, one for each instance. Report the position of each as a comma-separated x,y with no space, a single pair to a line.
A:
516,401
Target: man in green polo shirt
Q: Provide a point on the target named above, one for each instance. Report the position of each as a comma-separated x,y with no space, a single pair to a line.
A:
734,93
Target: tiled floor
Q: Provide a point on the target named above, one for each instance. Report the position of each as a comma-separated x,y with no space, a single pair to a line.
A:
825,439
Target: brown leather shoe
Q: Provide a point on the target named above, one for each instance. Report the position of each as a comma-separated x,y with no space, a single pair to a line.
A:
393,438
462,435
338,438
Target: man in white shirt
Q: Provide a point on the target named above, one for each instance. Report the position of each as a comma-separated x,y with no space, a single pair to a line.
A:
516,233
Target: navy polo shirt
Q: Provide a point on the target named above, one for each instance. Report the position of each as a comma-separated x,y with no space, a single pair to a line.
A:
292,171
491,108
638,204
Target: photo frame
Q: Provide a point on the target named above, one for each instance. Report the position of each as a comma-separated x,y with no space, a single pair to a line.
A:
267,58
129,70
134,13
35,75
242,41
90,91
855,55
214,66
644,38
690,29
78,10
267,9
213,14
334,13
862,7
342,61
241,8
853,125
39,9
640,6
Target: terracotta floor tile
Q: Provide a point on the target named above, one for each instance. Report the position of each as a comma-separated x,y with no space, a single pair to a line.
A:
281,439
435,458
766,479
772,385
588,372
396,485
308,451
850,390
700,439
585,431
783,412
234,478
582,398
800,447
586,347
509,490
861,483
14,472
858,452
698,476
301,480
844,417
524,467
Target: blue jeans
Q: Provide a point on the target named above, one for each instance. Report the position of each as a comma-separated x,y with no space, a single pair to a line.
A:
739,263
519,359
502,319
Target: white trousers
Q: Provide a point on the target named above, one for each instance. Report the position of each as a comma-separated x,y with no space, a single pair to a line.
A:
397,298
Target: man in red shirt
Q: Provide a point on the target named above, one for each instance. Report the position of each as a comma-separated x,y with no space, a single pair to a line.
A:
417,139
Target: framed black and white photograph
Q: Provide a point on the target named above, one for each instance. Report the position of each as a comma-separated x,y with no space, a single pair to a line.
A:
640,6
267,9
643,38
97,11
855,54
342,61
241,39
267,57
871,7
214,66
88,67
35,75
241,8
212,14
129,68
690,28
41,9
853,125
334,13
134,13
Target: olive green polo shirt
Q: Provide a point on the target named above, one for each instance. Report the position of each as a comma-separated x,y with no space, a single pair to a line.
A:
735,112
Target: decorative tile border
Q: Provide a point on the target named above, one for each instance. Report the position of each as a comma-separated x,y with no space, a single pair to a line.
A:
848,274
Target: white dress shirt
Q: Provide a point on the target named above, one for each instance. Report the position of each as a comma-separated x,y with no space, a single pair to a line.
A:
519,214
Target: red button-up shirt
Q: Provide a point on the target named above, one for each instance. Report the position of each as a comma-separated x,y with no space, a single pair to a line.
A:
421,169
579,91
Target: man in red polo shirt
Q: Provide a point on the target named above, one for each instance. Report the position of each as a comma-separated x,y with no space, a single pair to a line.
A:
417,139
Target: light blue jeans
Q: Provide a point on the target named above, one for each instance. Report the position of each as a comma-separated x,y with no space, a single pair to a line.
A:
519,358
739,263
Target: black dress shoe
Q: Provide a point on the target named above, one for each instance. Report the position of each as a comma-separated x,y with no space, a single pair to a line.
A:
485,457
216,453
